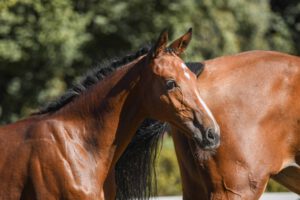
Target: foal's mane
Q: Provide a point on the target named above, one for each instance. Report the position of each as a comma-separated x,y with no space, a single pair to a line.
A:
95,75
135,170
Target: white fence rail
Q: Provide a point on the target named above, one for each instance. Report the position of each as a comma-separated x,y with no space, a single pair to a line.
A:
266,196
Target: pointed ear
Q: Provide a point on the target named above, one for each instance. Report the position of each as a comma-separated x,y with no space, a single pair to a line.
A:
161,43
181,43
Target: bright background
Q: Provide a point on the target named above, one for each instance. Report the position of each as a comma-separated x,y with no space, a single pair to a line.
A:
46,45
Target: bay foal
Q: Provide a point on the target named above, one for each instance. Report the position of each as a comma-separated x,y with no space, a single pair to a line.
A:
67,149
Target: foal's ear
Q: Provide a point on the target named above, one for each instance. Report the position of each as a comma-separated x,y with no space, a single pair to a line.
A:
160,44
181,43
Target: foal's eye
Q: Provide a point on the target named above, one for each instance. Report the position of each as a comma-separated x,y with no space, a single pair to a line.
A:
171,84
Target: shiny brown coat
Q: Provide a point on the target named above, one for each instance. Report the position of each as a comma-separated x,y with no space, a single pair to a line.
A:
255,98
67,153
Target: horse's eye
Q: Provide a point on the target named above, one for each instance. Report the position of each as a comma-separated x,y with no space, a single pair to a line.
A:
170,84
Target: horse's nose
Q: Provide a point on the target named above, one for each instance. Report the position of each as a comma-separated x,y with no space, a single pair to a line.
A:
210,136
211,139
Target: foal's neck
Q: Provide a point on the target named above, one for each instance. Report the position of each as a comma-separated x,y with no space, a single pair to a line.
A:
110,112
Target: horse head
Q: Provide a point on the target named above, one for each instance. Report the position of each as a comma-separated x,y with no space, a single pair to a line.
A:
172,93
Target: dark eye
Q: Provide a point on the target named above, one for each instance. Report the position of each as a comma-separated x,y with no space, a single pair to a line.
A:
170,84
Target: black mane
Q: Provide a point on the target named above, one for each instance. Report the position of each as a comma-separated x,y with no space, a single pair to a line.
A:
92,77
135,170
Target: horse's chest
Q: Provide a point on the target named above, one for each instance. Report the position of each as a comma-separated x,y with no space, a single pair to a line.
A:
68,170
80,180
83,173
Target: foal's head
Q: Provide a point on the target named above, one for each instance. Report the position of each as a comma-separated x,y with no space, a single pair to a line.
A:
171,93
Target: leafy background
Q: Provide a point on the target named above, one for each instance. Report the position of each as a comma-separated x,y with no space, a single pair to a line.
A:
46,45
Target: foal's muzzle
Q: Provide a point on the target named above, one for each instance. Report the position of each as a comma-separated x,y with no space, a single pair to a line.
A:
211,139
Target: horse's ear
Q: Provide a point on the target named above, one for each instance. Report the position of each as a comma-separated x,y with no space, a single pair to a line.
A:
181,43
161,44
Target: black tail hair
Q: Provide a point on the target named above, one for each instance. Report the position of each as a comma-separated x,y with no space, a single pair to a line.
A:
135,170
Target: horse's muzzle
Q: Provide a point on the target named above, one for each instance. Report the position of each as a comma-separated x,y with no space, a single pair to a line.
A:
210,140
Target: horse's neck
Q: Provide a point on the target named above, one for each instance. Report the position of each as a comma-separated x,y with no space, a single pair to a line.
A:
110,112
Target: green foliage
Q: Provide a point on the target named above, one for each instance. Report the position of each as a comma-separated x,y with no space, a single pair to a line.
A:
168,175
6,3
39,42
45,45
288,18
275,187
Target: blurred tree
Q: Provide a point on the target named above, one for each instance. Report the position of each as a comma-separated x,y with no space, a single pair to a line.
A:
288,13
168,175
39,42
275,187
44,45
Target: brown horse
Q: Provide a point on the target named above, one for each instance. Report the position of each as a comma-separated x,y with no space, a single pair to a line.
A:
255,98
67,149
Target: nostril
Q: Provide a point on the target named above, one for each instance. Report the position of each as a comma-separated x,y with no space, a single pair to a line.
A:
210,135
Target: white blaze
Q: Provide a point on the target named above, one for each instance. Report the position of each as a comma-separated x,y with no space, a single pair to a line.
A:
186,74
207,110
